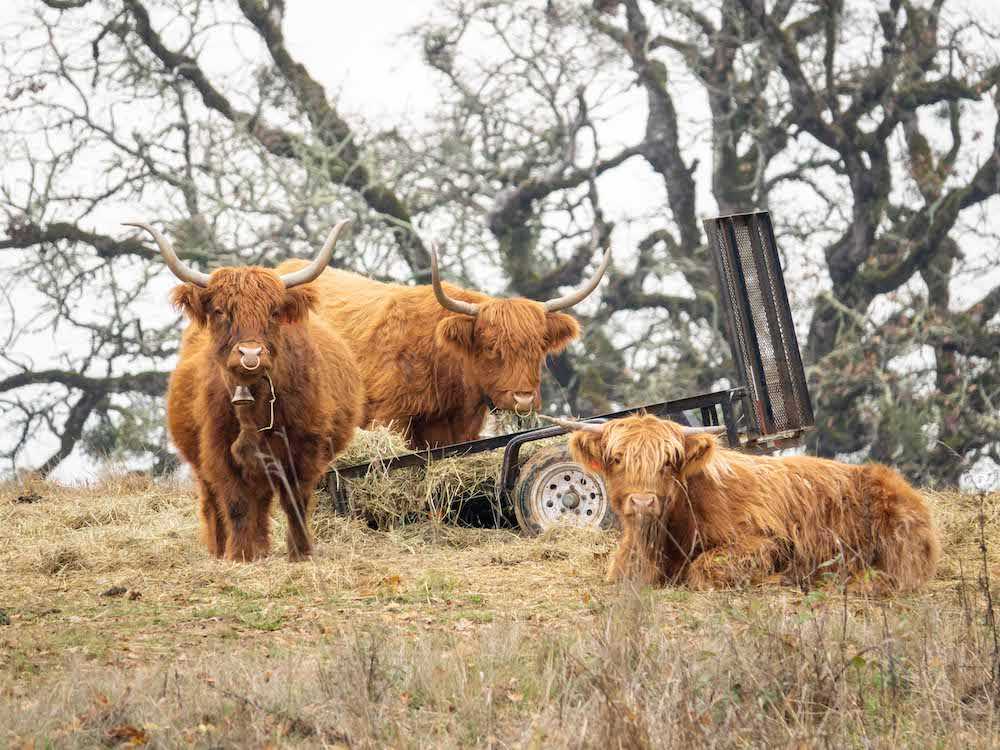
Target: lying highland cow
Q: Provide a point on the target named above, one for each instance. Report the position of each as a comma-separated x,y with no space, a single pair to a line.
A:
695,513
264,396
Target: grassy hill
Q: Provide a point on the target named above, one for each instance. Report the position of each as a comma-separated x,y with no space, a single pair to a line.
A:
117,629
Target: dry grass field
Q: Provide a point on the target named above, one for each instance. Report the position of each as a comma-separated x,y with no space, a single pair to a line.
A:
117,630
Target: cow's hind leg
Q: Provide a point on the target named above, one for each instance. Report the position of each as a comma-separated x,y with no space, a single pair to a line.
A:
213,528
746,562
906,546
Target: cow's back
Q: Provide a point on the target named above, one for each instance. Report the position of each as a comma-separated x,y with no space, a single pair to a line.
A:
341,394
818,505
390,328
348,301
791,496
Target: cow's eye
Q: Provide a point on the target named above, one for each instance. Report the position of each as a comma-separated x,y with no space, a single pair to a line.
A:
616,460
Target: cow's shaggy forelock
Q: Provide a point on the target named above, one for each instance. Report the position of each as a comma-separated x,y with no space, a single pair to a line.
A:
644,444
252,301
249,296
513,326
509,344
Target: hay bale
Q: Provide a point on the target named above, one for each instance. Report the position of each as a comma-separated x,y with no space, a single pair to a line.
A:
436,492
384,499
378,443
450,483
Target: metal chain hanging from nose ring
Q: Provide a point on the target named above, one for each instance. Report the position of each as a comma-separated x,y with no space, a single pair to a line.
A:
274,397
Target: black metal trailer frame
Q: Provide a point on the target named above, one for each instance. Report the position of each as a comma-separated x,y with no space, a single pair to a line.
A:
769,407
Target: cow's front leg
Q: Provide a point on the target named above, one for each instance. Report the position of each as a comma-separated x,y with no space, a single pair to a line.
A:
312,460
247,449
637,558
213,525
247,523
747,562
298,506
431,434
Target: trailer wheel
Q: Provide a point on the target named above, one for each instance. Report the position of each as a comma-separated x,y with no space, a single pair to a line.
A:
553,490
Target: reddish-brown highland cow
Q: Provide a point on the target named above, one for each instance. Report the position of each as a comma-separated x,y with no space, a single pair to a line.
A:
434,358
264,396
693,512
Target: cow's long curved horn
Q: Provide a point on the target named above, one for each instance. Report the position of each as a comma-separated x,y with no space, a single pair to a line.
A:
573,425
180,269
578,295
711,429
455,305
321,261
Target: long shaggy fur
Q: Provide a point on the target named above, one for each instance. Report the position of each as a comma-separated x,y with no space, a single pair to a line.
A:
432,372
722,518
319,402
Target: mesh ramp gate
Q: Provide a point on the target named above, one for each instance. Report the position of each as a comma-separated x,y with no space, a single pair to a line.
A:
759,327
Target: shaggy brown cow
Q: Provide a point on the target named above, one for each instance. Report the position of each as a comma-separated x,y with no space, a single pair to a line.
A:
263,397
433,358
696,513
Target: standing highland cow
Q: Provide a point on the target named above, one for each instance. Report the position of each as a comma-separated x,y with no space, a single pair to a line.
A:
264,396
435,358
695,513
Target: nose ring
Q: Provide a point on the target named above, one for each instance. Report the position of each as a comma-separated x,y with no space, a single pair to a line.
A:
250,351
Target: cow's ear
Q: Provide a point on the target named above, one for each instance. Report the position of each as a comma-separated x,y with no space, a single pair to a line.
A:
560,330
699,454
190,300
297,304
587,449
457,332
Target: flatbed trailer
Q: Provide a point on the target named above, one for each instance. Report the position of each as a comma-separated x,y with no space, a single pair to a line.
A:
768,406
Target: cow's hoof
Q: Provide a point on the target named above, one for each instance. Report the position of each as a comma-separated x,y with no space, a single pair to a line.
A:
299,556
245,556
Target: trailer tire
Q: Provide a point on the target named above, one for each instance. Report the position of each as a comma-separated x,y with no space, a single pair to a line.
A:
553,490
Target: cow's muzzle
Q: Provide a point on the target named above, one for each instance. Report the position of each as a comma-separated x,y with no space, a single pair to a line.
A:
249,356
522,403
248,362
642,503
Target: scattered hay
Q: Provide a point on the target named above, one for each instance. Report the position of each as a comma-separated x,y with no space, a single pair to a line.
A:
60,560
26,488
439,491
957,516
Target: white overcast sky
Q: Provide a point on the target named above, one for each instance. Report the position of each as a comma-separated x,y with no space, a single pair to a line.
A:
355,49
362,55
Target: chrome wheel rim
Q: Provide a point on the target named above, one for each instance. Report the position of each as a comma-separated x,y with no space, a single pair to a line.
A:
566,495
